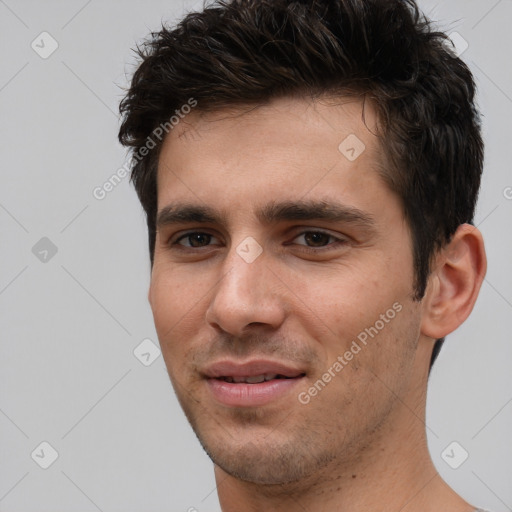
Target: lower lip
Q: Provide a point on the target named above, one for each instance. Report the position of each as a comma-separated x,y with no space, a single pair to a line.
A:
250,395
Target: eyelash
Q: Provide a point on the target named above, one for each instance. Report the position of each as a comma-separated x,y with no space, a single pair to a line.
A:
337,241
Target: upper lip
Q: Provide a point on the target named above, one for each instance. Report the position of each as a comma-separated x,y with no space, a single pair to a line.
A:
252,368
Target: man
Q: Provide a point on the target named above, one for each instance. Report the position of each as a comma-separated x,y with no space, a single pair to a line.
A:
309,171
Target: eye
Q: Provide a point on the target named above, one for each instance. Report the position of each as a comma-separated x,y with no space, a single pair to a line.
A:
195,239
312,240
318,240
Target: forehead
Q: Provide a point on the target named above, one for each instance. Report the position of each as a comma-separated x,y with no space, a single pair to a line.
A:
287,149
292,119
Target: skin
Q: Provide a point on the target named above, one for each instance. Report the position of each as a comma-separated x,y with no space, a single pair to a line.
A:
359,443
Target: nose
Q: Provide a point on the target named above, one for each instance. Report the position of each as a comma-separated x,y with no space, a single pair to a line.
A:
247,295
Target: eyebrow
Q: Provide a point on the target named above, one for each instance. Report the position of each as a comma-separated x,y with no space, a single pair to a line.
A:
271,213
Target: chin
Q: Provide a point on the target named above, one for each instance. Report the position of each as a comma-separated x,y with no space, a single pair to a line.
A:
266,463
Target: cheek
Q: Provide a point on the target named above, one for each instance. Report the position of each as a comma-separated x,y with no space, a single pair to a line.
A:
346,301
175,307
371,318
390,341
176,324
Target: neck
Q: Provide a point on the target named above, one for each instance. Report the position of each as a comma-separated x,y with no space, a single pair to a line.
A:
394,473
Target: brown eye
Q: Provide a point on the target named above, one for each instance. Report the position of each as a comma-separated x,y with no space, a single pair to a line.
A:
315,242
195,240
316,238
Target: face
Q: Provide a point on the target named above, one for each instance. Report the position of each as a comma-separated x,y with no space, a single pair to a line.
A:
282,286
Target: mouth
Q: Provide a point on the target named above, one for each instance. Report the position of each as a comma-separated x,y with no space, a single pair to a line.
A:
254,383
256,379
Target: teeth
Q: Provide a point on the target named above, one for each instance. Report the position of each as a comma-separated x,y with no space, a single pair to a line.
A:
237,380
256,379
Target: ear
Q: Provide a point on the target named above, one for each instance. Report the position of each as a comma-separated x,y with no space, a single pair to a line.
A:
454,283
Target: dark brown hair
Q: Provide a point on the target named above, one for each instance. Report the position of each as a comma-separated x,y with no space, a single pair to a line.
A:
246,52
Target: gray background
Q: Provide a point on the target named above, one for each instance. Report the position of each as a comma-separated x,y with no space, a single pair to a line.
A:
71,321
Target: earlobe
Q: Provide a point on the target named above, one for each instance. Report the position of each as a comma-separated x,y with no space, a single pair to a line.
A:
454,283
